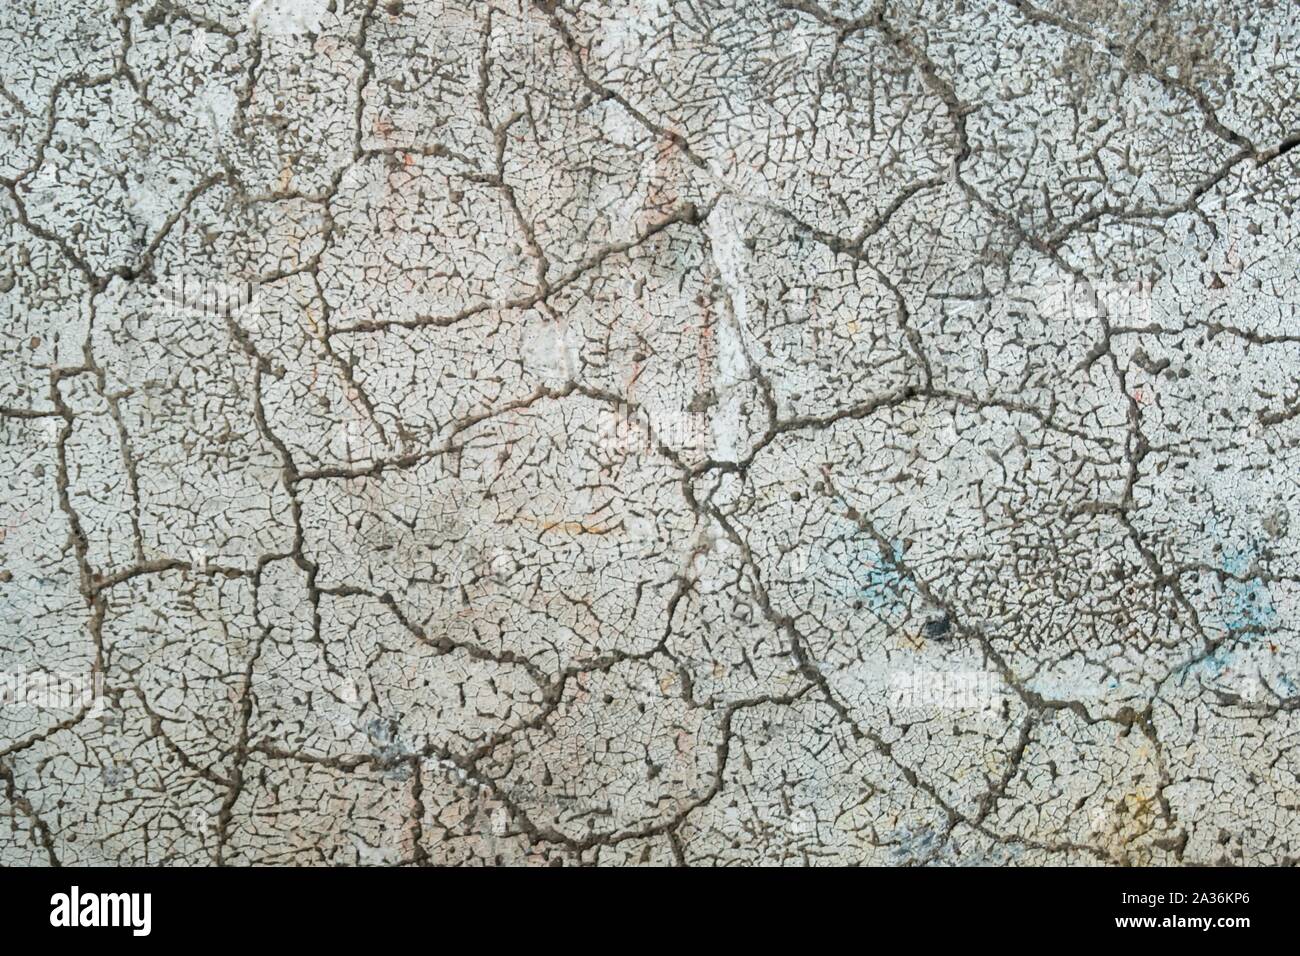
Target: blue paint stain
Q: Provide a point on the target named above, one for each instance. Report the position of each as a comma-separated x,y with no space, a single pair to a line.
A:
1247,604
862,571
912,847
1217,662
879,579
926,847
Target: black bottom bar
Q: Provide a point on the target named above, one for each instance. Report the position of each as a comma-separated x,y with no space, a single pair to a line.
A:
682,907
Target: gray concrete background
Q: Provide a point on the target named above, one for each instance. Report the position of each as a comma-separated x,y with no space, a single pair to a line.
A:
649,433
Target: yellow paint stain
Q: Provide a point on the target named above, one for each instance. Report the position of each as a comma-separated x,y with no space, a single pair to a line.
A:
572,527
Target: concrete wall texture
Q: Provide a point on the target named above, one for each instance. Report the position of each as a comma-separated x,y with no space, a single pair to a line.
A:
706,432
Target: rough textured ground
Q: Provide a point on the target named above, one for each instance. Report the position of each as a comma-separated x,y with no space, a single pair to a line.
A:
699,432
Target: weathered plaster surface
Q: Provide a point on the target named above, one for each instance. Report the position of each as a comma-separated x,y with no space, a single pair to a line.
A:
707,432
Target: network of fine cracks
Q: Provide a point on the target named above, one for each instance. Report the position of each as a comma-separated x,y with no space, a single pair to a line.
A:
711,433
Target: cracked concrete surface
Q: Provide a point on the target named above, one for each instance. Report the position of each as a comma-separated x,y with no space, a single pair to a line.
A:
708,432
